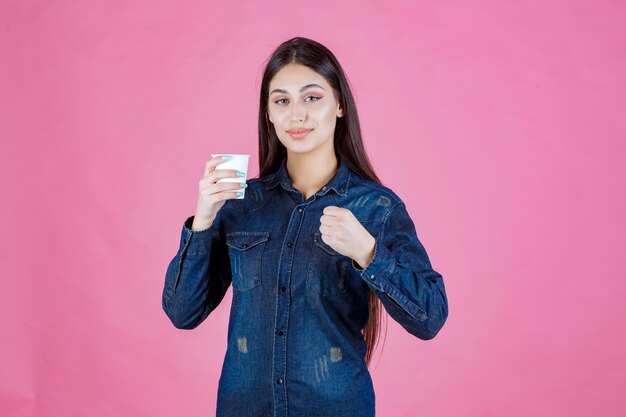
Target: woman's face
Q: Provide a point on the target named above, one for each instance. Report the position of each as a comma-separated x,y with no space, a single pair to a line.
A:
301,98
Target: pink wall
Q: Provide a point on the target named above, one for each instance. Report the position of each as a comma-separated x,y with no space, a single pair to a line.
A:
508,125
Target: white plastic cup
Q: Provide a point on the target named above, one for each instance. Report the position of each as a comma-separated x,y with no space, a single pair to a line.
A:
238,162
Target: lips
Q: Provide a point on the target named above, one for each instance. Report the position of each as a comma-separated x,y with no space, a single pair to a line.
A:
299,133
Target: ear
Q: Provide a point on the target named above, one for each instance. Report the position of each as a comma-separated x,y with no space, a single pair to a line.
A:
267,115
339,111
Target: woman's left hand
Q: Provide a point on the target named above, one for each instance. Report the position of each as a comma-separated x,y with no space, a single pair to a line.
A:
345,234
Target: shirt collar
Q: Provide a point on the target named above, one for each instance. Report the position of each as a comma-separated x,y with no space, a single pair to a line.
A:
338,183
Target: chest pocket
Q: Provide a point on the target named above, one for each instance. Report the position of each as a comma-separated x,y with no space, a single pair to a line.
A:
327,270
246,257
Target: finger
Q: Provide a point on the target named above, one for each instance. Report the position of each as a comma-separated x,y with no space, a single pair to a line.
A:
228,195
228,186
222,187
328,239
218,174
327,219
213,177
223,195
327,231
212,163
332,210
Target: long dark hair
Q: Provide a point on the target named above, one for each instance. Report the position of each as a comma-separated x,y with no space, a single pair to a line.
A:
347,139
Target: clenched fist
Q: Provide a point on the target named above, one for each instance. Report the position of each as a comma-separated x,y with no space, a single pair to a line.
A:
345,234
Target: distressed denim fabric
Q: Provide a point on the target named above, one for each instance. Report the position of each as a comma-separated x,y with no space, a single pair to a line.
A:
295,346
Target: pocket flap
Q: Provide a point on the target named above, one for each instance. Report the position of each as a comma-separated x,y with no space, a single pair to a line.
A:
317,239
246,240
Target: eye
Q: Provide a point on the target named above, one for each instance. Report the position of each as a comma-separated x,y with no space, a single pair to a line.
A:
313,99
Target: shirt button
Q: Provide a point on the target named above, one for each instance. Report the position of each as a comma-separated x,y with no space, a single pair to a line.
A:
289,244
280,332
372,277
300,209
280,381
323,188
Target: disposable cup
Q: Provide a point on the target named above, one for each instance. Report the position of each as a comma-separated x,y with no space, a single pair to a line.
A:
238,162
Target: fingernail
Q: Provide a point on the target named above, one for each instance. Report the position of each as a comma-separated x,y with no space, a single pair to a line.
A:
226,157
240,174
239,193
243,185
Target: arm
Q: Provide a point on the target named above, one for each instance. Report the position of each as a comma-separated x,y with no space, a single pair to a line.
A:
198,277
402,277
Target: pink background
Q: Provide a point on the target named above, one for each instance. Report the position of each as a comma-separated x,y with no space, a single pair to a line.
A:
502,127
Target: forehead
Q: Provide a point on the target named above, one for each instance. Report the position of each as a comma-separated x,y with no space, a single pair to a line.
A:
292,77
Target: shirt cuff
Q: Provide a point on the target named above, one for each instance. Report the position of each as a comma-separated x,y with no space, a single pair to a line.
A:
195,242
381,265
379,276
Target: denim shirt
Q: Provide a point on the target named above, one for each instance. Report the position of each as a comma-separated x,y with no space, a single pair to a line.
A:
295,346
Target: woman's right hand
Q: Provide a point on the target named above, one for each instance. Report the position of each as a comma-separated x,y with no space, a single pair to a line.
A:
212,194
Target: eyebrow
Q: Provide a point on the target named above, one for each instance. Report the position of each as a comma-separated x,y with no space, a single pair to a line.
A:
280,90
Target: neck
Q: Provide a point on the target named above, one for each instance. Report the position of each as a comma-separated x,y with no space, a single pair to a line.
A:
308,173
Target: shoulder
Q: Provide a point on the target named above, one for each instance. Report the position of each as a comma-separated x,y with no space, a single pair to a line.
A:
384,195
368,200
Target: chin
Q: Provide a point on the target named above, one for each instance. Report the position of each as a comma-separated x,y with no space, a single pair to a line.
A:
297,145
299,150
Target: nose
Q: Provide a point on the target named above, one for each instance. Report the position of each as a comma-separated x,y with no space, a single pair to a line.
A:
298,112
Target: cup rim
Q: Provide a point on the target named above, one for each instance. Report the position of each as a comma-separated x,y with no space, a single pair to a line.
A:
230,154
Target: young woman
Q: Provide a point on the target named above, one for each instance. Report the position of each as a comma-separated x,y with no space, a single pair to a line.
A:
312,251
